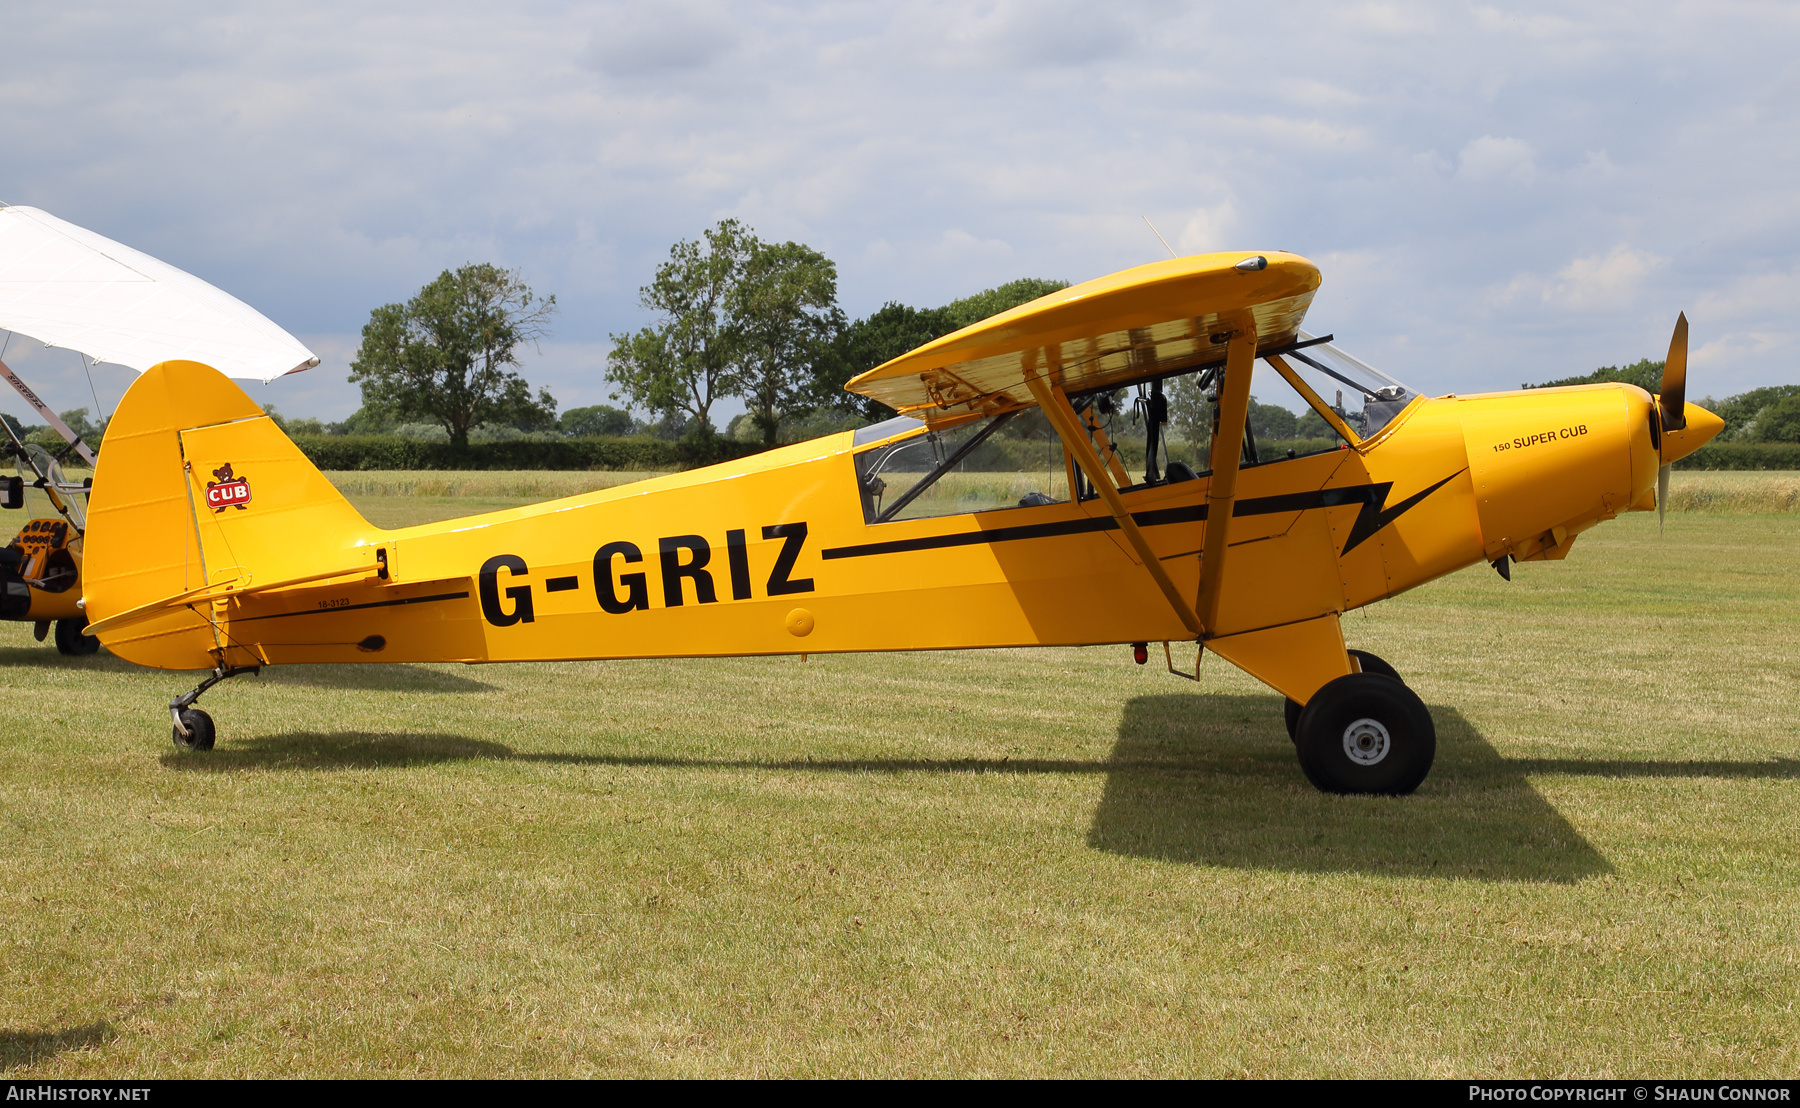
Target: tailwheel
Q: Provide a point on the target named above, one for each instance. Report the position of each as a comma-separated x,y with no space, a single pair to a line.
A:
72,639
1370,664
1366,733
194,728
200,731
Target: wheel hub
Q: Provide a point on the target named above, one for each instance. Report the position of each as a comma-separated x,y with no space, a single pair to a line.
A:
1366,742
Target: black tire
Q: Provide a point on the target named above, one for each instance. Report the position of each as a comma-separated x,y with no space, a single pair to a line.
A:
70,640
1366,733
200,731
1370,664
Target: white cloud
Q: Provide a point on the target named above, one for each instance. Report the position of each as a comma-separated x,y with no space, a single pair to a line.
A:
1753,296
1603,282
1594,283
633,40
1497,159
958,245
1209,229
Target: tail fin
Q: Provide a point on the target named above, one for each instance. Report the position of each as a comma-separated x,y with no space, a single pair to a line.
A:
197,491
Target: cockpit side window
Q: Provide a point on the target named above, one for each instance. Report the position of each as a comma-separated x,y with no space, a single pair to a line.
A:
1156,432
1012,460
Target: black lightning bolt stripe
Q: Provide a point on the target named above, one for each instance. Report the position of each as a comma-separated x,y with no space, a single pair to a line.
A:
1372,518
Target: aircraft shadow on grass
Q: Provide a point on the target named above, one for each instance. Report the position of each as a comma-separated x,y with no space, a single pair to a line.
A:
46,657
376,678
1212,780
342,750
389,677
25,1048
1203,780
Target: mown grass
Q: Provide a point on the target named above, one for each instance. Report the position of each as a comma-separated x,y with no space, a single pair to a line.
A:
1006,863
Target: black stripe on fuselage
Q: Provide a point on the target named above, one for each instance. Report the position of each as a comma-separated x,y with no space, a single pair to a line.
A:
1370,497
358,607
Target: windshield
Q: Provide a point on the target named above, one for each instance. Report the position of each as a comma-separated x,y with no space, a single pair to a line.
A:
1365,397
39,464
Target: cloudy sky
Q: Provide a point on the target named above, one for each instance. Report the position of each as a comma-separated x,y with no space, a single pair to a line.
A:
1494,194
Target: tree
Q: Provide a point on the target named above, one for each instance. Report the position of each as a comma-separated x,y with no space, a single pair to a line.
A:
688,360
599,419
366,420
1644,373
1271,421
991,302
887,333
292,425
783,314
1780,421
1743,413
895,329
1190,415
447,355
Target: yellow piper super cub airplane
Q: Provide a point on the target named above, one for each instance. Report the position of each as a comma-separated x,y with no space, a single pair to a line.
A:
214,543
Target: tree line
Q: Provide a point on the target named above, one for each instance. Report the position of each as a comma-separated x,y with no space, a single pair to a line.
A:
1770,414
736,317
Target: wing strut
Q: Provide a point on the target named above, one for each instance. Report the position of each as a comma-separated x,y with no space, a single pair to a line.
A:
1055,405
1227,446
1313,398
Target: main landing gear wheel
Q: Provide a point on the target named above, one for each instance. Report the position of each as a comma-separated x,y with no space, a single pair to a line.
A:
1366,733
1370,664
71,640
200,731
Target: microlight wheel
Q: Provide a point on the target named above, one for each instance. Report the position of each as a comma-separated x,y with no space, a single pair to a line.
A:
70,638
1366,733
200,730
1370,664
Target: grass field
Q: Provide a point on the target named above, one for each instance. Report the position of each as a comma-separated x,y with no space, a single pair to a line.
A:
1007,863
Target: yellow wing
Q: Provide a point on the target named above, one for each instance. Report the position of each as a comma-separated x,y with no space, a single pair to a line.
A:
1138,323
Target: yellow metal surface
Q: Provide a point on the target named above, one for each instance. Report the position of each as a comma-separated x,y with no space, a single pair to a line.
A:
1152,319
1056,407
213,541
1295,659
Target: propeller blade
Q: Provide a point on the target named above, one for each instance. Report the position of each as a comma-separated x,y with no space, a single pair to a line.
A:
1662,496
1673,398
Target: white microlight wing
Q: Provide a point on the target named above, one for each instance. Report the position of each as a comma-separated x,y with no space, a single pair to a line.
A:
67,286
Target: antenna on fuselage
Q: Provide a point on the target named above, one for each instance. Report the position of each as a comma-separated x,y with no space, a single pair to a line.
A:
1158,235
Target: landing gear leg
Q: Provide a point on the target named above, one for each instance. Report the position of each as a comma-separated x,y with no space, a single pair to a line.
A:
193,727
1370,664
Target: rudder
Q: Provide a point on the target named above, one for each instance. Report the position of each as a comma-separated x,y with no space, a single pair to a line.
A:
196,487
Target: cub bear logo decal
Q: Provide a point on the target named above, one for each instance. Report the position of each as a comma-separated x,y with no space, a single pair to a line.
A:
227,491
